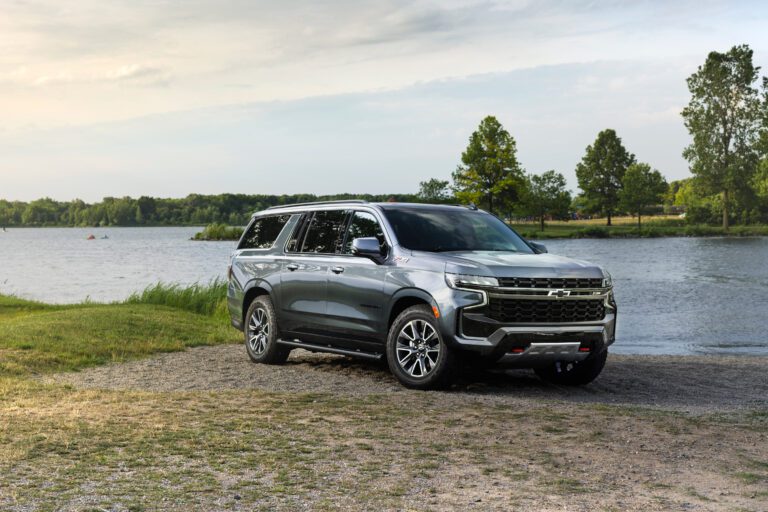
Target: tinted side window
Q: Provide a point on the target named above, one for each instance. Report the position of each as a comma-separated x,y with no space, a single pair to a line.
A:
363,225
324,232
263,232
298,233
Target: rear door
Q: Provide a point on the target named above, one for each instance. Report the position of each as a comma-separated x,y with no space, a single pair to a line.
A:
356,300
309,255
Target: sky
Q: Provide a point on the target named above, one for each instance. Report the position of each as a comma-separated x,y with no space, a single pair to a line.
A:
168,97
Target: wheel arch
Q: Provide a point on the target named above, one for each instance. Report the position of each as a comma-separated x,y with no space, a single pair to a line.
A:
253,290
405,299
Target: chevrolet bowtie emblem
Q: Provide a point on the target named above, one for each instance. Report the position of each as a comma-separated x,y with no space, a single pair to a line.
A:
559,293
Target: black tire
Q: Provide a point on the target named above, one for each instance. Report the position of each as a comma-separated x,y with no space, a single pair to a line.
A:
261,333
419,357
575,373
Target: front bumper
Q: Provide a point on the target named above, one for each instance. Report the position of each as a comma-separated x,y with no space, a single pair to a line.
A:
532,345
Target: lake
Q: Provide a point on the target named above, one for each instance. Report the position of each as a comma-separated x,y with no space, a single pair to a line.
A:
675,295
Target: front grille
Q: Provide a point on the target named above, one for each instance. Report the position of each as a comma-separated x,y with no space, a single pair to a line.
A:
550,282
545,311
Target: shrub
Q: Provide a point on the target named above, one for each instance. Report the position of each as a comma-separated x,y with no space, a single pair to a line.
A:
592,232
219,232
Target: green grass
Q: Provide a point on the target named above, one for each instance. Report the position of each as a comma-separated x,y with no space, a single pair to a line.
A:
624,228
219,232
749,477
205,299
40,338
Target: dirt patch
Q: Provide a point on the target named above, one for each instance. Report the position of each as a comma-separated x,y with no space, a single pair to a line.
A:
696,384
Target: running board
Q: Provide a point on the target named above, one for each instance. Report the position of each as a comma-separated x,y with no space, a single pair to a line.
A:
333,350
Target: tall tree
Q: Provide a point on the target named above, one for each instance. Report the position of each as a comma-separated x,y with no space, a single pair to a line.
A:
434,191
490,173
601,170
548,195
723,118
642,188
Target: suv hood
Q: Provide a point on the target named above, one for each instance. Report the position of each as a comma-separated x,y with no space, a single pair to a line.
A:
511,264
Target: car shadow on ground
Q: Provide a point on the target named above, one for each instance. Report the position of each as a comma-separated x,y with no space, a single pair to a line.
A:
688,383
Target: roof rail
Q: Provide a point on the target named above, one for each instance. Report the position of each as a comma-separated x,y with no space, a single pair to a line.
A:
313,203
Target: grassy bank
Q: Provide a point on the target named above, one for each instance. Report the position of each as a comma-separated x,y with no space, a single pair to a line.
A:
626,227
38,338
623,227
219,232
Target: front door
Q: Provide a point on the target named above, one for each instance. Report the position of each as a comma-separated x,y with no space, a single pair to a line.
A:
355,297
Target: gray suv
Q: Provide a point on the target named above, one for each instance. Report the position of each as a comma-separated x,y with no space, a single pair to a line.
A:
427,287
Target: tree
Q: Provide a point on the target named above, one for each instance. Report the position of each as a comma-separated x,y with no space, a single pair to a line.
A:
723,117
490,173
434,191
642,187
547,195
601,171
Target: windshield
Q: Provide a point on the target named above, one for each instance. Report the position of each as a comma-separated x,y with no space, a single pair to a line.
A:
441,230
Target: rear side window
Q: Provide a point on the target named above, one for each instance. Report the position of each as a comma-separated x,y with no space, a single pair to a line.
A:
263,232
294,243
324,233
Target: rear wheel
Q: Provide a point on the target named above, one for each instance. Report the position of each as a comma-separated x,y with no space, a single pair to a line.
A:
574,373
261,333
416,353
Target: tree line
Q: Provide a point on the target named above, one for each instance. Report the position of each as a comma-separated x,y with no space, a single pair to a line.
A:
195,209
727,117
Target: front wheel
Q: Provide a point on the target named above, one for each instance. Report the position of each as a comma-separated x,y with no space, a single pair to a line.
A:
574,373
416,353
261,333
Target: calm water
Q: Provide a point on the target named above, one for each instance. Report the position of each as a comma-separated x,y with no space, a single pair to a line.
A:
61,265
676,295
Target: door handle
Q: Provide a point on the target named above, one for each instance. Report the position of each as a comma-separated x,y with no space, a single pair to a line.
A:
337,270
292,266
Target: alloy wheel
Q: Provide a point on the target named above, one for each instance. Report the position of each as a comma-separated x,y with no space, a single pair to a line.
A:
258,331
417,348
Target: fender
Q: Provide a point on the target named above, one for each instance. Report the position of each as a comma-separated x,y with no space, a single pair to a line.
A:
404,293
246,292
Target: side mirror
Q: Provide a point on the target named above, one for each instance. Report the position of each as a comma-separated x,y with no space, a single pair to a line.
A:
367,247
539,248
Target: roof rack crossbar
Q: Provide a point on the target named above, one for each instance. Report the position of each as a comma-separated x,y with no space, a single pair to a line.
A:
313,203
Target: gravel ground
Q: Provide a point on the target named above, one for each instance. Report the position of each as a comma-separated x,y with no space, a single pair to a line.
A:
498,440
696,384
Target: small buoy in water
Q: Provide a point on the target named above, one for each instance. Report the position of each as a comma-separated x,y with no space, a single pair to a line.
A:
91,237
105,237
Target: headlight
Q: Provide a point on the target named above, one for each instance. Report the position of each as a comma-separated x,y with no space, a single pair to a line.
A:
468,281
607,279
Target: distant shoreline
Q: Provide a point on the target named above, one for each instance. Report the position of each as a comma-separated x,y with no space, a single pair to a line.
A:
560,231
557,230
